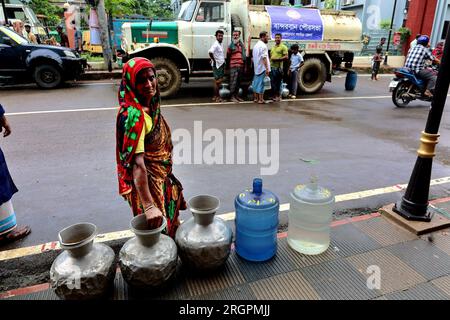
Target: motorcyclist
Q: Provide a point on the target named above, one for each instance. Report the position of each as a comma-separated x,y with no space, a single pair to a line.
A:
416,59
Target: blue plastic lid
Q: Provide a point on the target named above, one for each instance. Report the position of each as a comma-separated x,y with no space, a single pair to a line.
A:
258,198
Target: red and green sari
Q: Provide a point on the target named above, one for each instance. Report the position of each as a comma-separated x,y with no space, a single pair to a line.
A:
165,189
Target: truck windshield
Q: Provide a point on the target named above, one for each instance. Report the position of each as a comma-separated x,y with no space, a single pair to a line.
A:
30,13
187,10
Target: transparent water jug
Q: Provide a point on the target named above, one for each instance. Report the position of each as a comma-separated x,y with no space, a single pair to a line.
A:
310,214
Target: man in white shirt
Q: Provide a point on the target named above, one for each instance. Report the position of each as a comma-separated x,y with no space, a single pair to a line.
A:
261,63
218,64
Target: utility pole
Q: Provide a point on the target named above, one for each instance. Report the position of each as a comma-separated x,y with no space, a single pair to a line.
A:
4,12
103,22
390,33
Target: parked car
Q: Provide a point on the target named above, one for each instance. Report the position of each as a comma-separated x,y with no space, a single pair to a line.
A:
24,62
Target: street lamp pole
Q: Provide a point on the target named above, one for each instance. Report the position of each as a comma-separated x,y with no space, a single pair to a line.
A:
390,33
414,204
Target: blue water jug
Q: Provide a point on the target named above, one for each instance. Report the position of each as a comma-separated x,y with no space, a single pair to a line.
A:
350,80
256,223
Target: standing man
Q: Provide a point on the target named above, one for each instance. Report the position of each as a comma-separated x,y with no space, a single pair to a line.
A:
30,35
78,40
218,64
278,54
64,42
236,57
261,65
295,65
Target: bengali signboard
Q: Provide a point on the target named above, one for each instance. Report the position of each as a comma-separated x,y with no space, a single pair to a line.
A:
296,23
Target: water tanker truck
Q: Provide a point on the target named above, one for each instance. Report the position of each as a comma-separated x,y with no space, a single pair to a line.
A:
179,49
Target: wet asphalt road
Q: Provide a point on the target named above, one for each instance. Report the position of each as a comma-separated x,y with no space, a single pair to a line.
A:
63,162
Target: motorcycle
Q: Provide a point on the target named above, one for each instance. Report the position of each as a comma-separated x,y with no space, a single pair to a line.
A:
407,87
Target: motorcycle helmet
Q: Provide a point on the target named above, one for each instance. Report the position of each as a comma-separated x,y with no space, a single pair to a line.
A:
423,40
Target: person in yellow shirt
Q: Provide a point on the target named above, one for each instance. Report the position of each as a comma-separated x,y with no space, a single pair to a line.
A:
278,54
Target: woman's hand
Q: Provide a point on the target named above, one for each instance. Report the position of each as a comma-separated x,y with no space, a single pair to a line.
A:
154,217
5,124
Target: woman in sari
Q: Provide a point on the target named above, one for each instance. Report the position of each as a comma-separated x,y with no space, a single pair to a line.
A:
144,149
9,231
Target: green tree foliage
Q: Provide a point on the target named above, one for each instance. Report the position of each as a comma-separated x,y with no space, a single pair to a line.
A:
156,9
385,24
118,8
48,9
330,4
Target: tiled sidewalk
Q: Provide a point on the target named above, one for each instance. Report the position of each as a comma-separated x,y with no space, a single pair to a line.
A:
411,267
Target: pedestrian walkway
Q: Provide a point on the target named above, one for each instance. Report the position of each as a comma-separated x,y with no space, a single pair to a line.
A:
369,258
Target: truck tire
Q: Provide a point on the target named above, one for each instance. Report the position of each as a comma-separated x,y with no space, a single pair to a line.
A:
312,75
47,76
235,22
169,76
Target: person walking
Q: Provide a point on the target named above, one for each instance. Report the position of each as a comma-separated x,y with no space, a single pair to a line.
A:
9,231
261,66
30,35
376,62
64,42
296,62
78,37
278,54
218,64
236,59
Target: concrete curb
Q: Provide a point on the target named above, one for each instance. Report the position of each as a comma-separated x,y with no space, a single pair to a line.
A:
100,75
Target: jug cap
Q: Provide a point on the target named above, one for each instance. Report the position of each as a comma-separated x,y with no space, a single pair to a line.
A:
312,193
257,198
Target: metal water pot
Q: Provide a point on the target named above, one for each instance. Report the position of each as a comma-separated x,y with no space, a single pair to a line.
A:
204,240
224,92
267,84
284,90
84,270
150,258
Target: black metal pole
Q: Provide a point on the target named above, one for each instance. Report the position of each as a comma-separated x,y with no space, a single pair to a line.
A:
414,204
4,12
390,33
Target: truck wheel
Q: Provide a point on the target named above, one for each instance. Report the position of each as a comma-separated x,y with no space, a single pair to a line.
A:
169,76
47,76
312,75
